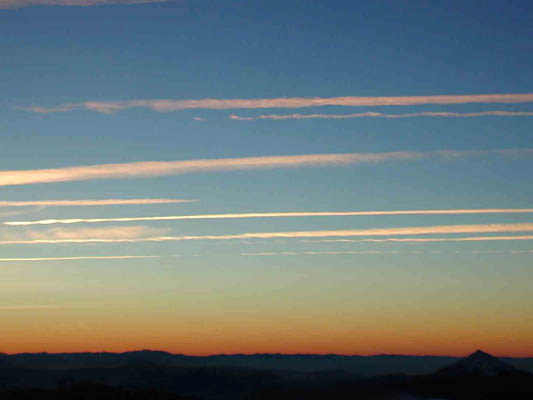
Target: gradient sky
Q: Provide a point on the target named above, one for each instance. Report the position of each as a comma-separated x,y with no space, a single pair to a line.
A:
325,107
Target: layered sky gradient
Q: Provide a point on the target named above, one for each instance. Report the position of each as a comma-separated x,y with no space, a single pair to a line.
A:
228,176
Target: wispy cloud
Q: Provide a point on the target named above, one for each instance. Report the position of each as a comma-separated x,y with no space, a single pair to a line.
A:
77,235
273,215
280,117
161,168
81,3
30,307
60,236
111,232
103,202
37,259
168,105
18,212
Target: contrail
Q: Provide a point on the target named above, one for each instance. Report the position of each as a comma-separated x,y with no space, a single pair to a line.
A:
163,168
75,258
423,240
377,252
103,202
278,117
168,105
416,230
272,215
4,4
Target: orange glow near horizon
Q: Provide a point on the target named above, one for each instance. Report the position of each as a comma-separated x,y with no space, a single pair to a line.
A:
336,336
353,306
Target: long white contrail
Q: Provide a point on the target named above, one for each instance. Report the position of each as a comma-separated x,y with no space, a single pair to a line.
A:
282,117
162,168
102,202
74,258
167,105
272,215
416,230
80,3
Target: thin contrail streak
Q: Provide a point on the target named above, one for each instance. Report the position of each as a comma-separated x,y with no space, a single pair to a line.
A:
282,117
416,230
4,4
163,168
19,212
423,240
102,202
271,215
30,307
168,105
75,258
377,252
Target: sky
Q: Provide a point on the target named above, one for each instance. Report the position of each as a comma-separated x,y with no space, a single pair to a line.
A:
208,177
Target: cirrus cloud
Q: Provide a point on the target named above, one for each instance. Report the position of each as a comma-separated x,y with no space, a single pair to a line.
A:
370,114
108,233
4,4
163,168
169,105
114,235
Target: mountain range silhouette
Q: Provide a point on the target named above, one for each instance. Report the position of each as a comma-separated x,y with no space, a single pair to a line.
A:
148,375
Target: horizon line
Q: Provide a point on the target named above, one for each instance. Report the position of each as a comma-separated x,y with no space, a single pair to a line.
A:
140,350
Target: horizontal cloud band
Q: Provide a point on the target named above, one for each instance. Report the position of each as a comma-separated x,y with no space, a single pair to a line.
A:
168,105
278,117
272,215
104,202
417,230
161,168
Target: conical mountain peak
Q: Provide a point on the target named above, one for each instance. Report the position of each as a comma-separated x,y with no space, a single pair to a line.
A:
480,354
477,363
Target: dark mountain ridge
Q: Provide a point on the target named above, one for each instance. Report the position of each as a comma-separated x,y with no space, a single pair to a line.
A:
362,365
263,376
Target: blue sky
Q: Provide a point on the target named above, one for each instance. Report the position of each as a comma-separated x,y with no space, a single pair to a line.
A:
58,59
